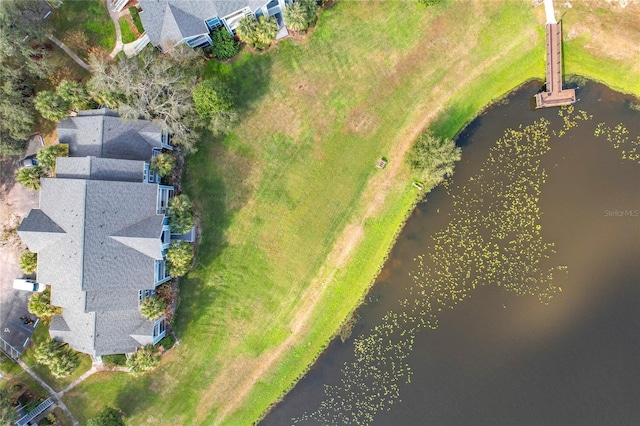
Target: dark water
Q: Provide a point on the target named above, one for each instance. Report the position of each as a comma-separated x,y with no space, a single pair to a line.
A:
501,358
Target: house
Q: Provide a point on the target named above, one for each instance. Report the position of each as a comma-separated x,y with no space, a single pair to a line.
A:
172,22
101,233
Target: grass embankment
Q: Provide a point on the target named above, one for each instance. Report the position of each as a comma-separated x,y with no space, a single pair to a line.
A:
84,24
296,219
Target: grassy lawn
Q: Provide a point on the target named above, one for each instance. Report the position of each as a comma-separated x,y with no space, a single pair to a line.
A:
277,274
81,24
42,333
126,27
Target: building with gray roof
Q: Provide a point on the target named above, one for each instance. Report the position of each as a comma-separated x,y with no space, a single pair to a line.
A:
101,233
172,22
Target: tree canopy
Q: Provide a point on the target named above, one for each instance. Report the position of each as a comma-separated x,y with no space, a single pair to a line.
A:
109,416
152,86
143,360
40,305
179,258
22,63
433,158
68,96
30,177
214,105
181,217
60,359
152,307
163,164
47,155
28,262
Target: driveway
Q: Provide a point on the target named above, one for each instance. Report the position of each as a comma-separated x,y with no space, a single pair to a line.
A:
15,203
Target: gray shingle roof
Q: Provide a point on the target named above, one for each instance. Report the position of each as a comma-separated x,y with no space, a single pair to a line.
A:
99,169
169,21
97,243
101,133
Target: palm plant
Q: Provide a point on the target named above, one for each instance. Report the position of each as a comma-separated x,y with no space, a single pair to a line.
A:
163,164
30,177
295,17
246,30
266,31
152,307
144,359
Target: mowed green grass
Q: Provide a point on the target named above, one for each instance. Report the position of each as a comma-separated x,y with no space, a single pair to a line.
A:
275,195
88,17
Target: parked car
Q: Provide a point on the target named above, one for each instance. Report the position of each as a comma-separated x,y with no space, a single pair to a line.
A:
29,161
28,285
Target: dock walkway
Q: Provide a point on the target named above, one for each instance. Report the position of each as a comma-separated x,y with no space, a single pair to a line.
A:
554,95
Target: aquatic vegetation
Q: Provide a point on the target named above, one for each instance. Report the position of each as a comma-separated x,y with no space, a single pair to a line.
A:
619,138
493,238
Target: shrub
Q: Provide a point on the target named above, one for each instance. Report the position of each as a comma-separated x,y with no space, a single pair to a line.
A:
260,33
144,359
213,103
40,305
224,45
181,217
30,177
109,416
167,342
163,164
179,257
135,16
116,359
152,307
28,262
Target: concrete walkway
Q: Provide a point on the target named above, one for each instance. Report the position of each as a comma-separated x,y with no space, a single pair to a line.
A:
115,17
54,395
69,52
57,396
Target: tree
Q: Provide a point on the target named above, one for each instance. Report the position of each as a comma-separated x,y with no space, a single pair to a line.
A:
179,258
152,307
246,30
181,218
109,416
40,305
295,17
266,31
310,8
8,415
57,356
224,45
47,155
30,177
152,86
23,61
28,262
214,105
51,106
163,164
144,359
433,158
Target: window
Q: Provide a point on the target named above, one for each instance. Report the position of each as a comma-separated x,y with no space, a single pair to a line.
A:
213,23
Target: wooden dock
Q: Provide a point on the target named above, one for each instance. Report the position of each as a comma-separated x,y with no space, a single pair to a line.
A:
554,94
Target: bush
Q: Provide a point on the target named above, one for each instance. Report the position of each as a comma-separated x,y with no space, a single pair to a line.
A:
109,416
135,16
116,359
40,305
224,45
152,307
30,177
28,262
433,159
181,218
163,164
179,257
167,342
144,359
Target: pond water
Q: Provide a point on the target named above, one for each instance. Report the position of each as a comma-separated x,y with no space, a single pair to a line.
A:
511,296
